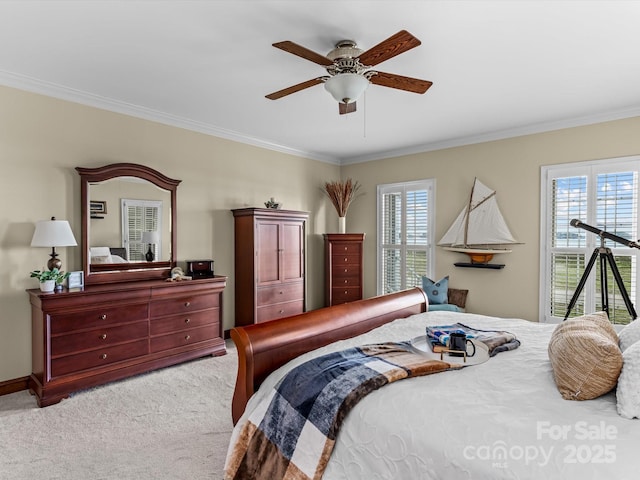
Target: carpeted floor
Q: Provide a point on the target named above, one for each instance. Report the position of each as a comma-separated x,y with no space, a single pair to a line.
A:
173,423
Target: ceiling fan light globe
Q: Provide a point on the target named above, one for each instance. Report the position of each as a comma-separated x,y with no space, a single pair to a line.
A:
346,87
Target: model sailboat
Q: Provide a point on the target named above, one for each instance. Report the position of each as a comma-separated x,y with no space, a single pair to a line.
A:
480,230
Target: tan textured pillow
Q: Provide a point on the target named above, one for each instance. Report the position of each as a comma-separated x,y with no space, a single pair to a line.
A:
585,357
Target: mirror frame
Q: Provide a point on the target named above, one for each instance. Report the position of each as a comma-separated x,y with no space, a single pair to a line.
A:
123,272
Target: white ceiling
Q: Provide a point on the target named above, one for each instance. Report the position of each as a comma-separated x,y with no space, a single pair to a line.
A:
499,68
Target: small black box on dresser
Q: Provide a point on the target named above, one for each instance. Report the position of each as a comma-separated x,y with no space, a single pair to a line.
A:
200,268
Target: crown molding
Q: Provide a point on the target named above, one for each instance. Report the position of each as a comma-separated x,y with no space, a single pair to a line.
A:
532,129
33,85
30,84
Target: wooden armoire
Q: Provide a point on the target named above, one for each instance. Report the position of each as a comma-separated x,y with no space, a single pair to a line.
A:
269,264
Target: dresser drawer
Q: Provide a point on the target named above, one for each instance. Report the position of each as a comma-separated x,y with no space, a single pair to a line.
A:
340,248
102,337
280,293
176,323
99,317
344,259
350,281
279,310
185,337
96,358
344,295
345,271
184,304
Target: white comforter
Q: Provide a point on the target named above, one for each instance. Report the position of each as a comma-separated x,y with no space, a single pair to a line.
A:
501,419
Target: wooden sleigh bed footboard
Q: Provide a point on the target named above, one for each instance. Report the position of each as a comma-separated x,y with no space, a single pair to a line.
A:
264,347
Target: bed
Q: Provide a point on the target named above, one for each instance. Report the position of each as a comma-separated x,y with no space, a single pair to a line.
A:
501,419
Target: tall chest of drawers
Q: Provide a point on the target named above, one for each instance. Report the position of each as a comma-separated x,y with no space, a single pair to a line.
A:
343,254
269,264
109,332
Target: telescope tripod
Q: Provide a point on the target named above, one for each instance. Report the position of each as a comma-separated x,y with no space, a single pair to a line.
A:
605,257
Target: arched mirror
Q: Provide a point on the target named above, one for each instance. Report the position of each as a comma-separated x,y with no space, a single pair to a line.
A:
128,223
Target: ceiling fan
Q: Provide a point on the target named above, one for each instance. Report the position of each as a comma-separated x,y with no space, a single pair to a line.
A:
350,72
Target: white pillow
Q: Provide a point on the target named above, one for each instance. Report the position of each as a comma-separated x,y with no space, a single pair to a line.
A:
628,391
629,335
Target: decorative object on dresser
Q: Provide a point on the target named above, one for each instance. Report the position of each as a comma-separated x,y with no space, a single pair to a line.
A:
200,268
109,182
53,233
50,280
269,264
112,331
341,195
75,280
343,255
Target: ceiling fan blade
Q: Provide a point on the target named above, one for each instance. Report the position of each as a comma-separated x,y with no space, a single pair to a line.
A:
389,48
344,108
294,88
392,80
303,52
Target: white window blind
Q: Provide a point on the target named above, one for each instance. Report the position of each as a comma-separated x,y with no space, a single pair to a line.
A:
405,234
602,194
140,216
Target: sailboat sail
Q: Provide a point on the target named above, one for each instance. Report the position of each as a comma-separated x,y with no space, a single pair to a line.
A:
480,225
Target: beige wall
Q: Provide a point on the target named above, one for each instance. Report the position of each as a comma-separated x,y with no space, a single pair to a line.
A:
512,167
42,140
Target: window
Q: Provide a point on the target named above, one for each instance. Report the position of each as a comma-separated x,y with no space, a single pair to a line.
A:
602,195
405,234
140,216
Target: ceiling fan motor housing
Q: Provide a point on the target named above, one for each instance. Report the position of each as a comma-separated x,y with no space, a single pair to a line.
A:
345,49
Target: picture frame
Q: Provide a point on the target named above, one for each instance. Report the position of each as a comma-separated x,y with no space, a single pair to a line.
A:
97,207
75,280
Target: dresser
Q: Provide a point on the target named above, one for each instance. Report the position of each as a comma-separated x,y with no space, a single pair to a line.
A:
343,254
269,264
108,332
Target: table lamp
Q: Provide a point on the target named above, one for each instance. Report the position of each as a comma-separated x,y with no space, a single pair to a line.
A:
152,238
53,233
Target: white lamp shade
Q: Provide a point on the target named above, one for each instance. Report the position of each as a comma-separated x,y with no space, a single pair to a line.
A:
150,237
346,87
53,233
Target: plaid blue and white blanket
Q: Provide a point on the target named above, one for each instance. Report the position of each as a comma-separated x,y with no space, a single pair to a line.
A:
496,340
291,434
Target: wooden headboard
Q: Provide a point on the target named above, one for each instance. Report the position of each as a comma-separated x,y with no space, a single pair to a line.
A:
264,347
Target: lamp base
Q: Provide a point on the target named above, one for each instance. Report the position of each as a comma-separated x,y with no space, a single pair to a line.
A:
149,255
54,261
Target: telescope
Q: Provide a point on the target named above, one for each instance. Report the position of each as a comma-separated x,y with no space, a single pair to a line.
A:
606,257
601,233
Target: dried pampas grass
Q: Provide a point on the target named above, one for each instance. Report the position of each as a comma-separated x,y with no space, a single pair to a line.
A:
342,194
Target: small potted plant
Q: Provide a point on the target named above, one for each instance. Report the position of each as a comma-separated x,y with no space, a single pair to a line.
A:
50,280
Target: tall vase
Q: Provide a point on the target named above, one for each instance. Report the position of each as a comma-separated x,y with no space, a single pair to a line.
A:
342,224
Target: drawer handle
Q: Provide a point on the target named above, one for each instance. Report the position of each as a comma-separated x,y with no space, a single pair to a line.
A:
346,248
103,316
346,281
281,292
345,292
186,304
281,311
103,356
103,336
187,337
346,270
187,320
346,259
